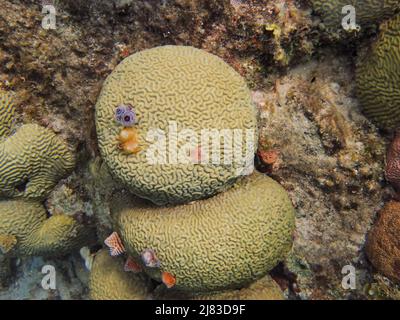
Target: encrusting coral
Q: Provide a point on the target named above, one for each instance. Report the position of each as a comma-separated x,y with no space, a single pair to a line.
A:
367,12
223,242
383,241
26,230
175,91
109,281
378,77
32,160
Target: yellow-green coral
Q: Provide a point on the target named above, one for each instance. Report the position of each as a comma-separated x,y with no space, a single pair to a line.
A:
226,241
7,112
109,281
378,77
367,11
32,161
26,230
263,289
166,86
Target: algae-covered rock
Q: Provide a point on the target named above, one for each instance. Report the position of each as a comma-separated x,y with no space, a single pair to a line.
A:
263,289
367,12
26,230
226,241
109,281
378,77
383,242
173,90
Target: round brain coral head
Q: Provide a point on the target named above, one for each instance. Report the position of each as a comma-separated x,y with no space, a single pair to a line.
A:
109,281
26,230
218,243
378,78
32,161
263,289
367,13
176,90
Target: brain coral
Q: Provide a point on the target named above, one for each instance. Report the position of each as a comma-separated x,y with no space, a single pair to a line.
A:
32,160
378,77
223,242
109,281
263,289
367,11
383,242
176,89
26,230
7,112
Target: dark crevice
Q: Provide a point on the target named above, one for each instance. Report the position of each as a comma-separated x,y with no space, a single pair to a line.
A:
22,186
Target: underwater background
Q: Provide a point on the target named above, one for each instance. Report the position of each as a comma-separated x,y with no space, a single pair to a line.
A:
326,108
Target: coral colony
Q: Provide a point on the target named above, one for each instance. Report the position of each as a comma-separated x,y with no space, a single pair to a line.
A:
158,257
24,181
168,123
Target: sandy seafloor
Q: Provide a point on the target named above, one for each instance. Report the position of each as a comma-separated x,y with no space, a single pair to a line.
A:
331,158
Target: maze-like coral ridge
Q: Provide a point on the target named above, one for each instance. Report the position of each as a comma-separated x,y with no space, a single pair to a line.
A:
263,289
219,243
25,223
109,281
367,11
7,112
32,160
378,77
174,84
